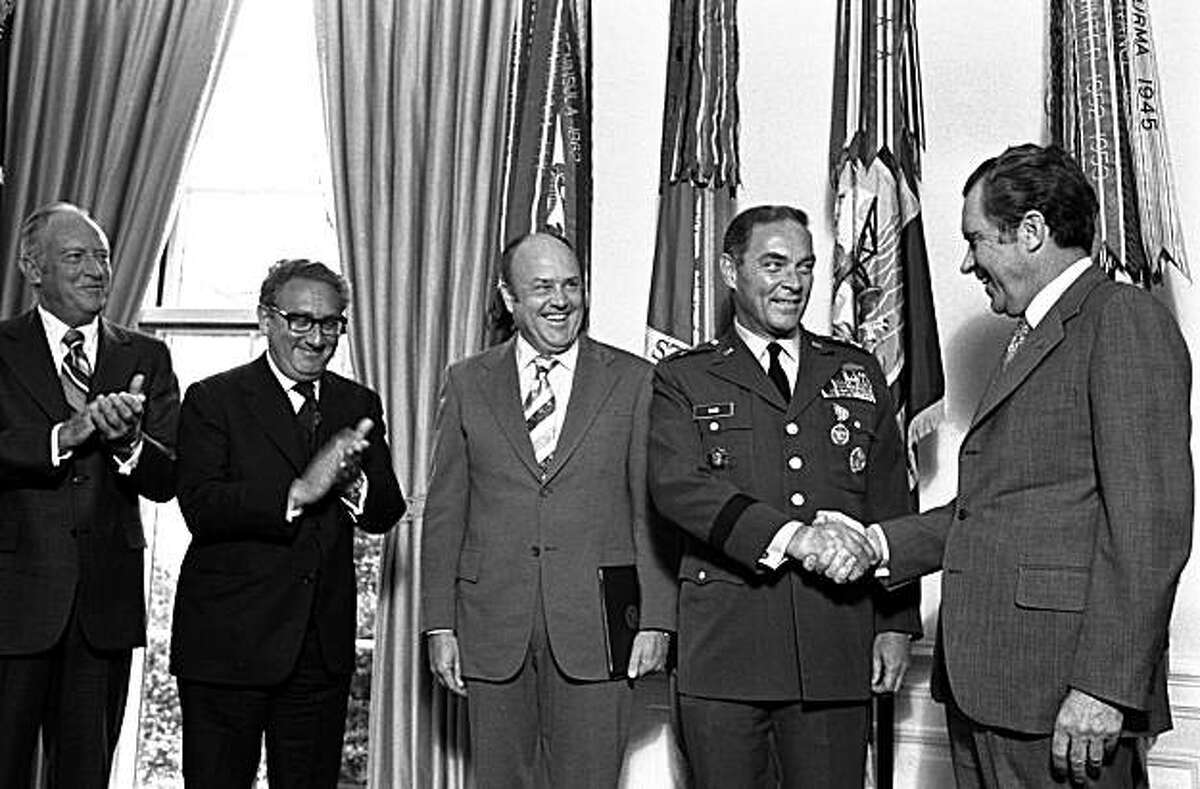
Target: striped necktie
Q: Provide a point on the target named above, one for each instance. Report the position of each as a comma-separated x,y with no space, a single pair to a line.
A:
76,370
539,407
1017,340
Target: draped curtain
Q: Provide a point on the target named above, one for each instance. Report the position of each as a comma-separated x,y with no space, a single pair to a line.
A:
414,96
104,101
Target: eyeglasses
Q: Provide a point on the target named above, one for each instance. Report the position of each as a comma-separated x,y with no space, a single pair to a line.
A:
303,323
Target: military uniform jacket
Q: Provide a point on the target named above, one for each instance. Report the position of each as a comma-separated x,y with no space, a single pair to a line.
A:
1062,552
730,463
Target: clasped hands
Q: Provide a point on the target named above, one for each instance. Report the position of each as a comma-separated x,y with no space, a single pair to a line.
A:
337,464
836,546
116,416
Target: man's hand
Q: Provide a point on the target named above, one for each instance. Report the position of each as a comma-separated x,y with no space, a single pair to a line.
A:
840,551
75,431
335,464
1085,731
444,662
890,659
118,415
649,652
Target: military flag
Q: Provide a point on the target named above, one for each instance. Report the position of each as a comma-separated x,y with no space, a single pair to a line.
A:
548,138
1107,110
881,292
698,176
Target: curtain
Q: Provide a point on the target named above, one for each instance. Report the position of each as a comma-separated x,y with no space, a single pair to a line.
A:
414,96
104,102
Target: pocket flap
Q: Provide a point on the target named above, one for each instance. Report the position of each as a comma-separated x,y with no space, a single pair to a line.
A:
1052,588
468,564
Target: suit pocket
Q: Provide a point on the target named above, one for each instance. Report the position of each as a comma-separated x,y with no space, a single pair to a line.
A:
468,564
1052,587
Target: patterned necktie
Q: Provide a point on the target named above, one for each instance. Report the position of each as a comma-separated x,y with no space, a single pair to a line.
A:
775,372
76,370
539,406
1018,338
308,415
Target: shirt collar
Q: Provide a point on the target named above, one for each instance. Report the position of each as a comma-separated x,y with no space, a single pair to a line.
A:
55,328
1049,295
287,383
758,344
526,355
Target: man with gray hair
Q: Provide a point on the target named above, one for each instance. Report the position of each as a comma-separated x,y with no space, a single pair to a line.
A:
88,411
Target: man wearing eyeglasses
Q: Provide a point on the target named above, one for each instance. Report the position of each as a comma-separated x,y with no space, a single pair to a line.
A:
280,460
87,425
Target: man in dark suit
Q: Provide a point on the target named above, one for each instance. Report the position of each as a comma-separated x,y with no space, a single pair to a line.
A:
538,481
750,435
88,411
280,460
1063,548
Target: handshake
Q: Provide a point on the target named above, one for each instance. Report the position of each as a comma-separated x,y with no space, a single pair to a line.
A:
837,546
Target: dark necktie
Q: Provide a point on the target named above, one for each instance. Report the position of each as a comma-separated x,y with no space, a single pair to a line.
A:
76,371
539,406
308,415
776,374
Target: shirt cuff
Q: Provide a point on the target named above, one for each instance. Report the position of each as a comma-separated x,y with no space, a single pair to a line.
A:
437,631
776,552
57,457
126,466
885,553
355,496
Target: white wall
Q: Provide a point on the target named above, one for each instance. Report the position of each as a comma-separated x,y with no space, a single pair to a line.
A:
982,65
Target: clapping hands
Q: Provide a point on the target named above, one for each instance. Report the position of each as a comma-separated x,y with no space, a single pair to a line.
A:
336,464
835,545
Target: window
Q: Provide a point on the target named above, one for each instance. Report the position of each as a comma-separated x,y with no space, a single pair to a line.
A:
255,190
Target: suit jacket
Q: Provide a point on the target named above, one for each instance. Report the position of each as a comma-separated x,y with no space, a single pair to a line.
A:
71,534
251,580
495,522
1063,548
730,463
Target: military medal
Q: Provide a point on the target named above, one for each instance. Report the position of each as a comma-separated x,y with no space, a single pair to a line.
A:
840,412
858,460
718,457
839,434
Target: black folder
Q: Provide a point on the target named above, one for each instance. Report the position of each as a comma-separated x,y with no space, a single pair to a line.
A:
620,598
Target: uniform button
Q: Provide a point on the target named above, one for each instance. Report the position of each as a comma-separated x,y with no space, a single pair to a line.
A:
714,426
795,463
791,428
702,575
797,499
544,492
535,551
79,479
962,515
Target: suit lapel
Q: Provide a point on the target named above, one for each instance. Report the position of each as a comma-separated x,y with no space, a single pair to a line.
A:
24,343
272,409
589,389
1041,341
501,390
114,366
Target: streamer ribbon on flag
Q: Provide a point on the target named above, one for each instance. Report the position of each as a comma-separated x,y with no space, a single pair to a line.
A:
548,137
881,293
1107,109
698,176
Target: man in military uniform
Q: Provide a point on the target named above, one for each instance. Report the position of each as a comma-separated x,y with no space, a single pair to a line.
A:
750,435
